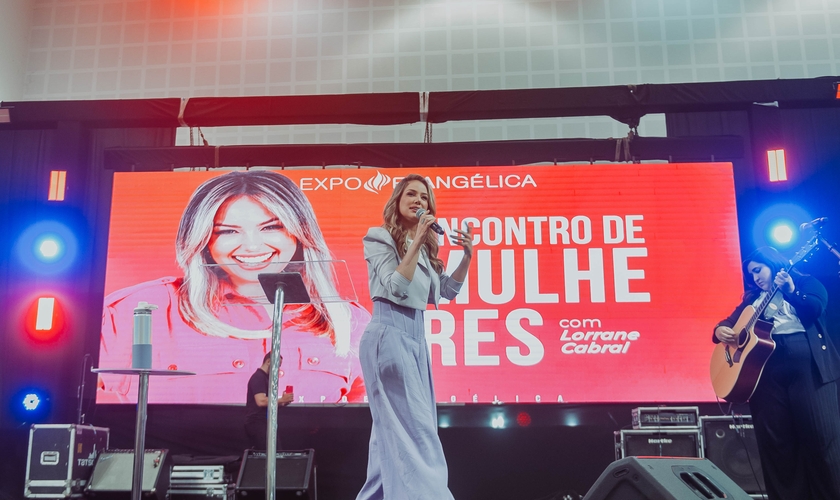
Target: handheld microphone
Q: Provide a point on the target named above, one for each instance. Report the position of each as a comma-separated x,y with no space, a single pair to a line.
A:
814,224
435,226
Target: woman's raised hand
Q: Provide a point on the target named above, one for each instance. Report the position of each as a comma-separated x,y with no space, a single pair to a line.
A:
463,238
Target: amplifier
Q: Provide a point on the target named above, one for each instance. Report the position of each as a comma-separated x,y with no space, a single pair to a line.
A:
671,417
114,470
60,458
197,475
294,477
657,443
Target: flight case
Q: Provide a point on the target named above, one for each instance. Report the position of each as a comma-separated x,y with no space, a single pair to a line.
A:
60,458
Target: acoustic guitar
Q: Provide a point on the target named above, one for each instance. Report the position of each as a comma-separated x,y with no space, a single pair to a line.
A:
735,371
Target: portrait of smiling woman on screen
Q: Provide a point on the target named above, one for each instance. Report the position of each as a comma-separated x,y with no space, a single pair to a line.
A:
215,320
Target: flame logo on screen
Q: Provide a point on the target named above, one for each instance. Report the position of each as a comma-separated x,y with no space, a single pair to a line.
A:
376,183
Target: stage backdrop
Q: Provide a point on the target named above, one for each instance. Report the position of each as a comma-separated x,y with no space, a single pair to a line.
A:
590,283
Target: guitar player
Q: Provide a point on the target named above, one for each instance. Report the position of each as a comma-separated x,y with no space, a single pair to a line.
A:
795,406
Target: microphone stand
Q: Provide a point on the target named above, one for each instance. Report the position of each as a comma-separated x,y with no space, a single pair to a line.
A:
818,235
832,249
80,419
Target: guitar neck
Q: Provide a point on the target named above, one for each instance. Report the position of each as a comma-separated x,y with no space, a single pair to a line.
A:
759,310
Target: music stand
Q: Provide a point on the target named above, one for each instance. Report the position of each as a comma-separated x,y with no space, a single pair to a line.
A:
291,283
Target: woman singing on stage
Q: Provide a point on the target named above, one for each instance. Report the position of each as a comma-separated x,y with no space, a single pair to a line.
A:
406,458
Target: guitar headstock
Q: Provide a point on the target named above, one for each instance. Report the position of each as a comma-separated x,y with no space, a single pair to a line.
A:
804,252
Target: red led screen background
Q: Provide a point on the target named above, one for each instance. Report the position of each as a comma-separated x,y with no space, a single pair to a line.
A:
589,283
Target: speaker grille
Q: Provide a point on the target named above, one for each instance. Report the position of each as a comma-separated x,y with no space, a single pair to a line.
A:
293,470
113,471
730,444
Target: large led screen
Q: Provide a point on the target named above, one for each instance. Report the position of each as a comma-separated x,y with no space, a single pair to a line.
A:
589,283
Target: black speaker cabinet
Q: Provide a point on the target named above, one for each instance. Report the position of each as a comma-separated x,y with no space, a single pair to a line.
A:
294,476
114,469
636,478
729,442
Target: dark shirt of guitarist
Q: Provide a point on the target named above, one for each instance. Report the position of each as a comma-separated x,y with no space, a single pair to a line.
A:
795,406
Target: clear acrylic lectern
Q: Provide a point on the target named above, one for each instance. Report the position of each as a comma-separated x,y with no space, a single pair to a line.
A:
282,283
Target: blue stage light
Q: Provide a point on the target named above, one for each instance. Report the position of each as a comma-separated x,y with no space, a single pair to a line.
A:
443,421
498,421
30,405
776,226
782,233
47,247
31,401
571,420
50,248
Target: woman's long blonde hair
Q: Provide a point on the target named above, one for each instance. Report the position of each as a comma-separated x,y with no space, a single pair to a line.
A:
201,295
391,221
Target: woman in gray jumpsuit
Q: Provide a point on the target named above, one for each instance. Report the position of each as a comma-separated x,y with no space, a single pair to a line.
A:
405,460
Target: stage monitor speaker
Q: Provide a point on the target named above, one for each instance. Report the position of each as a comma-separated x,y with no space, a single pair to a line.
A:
729,442
637,478
114,469
293,476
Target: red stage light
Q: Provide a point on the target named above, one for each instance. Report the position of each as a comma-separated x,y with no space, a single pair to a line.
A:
523,419
45,319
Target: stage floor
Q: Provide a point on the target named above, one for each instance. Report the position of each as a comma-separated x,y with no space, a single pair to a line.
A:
553,451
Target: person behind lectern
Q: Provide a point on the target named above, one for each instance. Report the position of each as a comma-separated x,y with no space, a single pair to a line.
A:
256,405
